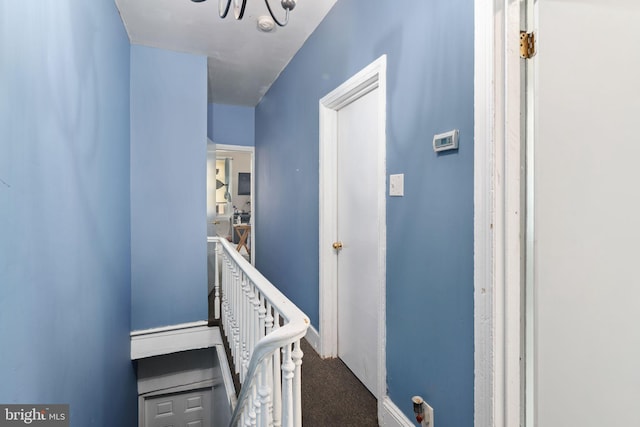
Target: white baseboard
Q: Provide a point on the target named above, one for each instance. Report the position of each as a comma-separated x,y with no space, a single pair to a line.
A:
391,416
313,337
174,338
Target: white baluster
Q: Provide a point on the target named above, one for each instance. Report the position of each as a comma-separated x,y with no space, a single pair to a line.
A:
227,299
268,319
253,320
239,315
257,401
264,393
277,380
297,384
252,408
246,419
247,308
232,308
216,282
225,296
237,305
268,368
288,368
257,319
262,314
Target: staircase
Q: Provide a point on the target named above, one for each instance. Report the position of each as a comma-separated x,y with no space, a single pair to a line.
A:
263,331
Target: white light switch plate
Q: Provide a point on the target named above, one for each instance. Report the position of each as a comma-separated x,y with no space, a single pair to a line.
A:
396,185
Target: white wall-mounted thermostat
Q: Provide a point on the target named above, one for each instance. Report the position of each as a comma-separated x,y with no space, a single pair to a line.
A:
446,141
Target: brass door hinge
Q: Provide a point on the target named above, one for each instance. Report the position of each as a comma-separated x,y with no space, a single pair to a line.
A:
527,45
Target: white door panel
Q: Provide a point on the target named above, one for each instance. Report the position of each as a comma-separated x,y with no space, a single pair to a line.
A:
189,409
358,230
587,214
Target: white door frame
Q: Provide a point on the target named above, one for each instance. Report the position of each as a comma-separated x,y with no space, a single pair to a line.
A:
370,78
498,219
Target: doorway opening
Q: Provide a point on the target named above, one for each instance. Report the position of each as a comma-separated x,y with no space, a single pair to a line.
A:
230,196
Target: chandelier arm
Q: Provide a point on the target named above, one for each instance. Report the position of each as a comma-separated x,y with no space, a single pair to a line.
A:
223,11
286,16
239,11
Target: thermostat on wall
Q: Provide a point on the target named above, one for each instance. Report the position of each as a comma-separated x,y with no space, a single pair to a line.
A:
446,141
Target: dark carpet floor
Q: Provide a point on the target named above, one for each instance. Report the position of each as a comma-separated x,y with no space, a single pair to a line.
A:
332,396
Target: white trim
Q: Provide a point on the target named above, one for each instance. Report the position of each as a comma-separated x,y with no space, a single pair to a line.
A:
171,339
498,225
370,78
313,338
167,328
228,147
483,215
392,416
514,215
210,383
327,226
529,399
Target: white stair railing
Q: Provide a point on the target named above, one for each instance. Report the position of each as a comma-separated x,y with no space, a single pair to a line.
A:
263,329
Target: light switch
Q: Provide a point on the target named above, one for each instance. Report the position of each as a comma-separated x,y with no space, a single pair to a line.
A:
396,185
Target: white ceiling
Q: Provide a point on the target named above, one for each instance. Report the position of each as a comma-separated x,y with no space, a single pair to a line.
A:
242,61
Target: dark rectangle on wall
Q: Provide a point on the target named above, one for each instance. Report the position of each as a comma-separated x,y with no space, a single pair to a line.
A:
244,184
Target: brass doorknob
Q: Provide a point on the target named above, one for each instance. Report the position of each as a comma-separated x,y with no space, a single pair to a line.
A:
337,245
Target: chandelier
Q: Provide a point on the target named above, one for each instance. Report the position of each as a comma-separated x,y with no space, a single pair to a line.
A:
239,6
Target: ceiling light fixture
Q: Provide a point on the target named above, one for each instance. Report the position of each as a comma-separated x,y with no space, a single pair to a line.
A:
239,6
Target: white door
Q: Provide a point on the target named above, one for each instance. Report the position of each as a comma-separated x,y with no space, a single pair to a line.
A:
587,214
358,230
186,409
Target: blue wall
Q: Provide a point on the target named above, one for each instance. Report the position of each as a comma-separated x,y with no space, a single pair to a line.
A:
64,209
430,230
231,124
168,187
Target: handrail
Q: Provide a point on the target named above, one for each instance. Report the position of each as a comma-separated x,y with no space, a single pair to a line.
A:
265,347
259,292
